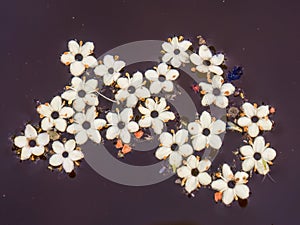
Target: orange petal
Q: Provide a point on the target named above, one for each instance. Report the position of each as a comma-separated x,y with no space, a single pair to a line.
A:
126,148
139,134
119,144
218,196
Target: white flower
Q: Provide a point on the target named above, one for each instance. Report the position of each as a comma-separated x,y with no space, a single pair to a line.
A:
121,125
65,155
110,69
155,114
31,143
79,57
255,119
205,132
205,62
55,114
82,93
175,51
86,126
257,155
194,173
216,92
132,89
174,146
161,78
231,186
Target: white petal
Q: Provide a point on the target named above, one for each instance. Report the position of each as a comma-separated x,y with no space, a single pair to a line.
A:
249,109
183,172
30,132
70,145
58,147
161,105
244,121
221,101
205,119
69,95
66,112
77,68
60,124
145,122
91,85
167,86
99,123
204,165
79,118
73,47
227,89
56,103
217,59
137,79
181,137
208,99
204,178
228,196
263,111
247,150
217,81
56,160
94,135
202,68
227,173
43,139
150,104
166,116
175,159
162,152
172,74
155,87
37,150
215,69
204,52
46,123
151,75
122,95
108,61
108,79
132,126
112,132
196,59
112,118
194,128
185,150
74,128
118,65
262,167
191,184
91,99
81,137
87,48
100,70
131,100
125,136
269,154
248,164
242,191
142,92
175,62
218,127
265,124
184,45
126,115
20,141
167,47
219,185
253,130
67,58
199,142
192,162
259,144
76,155
89,61
166,139
241,177
68,165
123,82
157,125
44,110
91,113
206,87
166,57
215,141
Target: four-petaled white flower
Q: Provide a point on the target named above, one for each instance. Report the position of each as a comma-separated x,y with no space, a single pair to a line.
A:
121,125
174,146
175,50
31,143
86,126
155,114
79,57
110,69
65,155
132,89
255,119
231,186
205,62
194,173
257,155
206,132
82,93
161,78
54,114
216,92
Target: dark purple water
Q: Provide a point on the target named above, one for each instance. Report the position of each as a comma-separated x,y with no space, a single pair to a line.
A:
262,36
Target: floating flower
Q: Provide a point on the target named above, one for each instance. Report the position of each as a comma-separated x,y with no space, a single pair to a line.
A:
54,114
65,155
110,69
231,186
257,155
174,146
86,126
132,89
31,143
205,62
79,57
155,114
175,50
206,132
216,92
194,173
161,78
255,119
121,125
82,92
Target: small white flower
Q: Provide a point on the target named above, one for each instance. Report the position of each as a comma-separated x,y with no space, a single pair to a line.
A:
31,143
121,125
82,93
132,89
205,62
65,155
174,146
257,155
206,132
231,186
109,70
155,114
54,114
176,52
79,57
255,119
161,78
86,127
195,173
216,92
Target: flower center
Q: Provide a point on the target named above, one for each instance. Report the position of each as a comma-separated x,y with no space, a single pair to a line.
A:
257,156
231,184
176,52
254,119
65,154
55,115
111,70
131,89
195,172
161,78
206,132
206,62
78,57
174,147
121,125
32,143
154,114
216,92
86,125
81,93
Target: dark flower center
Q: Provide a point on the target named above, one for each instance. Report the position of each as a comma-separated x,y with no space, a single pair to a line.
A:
257,156
154,114
216,92
65,154
81,93
206,131
131,89
206,62
78,57
231,184
55,115
254,119
174,147
111,70
176,51
121,125
86,125
161,78
195,172
32,143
